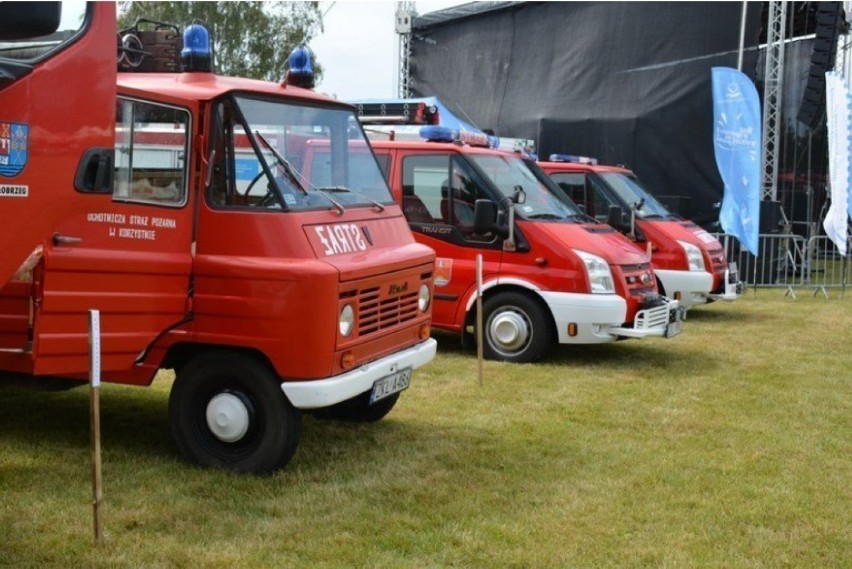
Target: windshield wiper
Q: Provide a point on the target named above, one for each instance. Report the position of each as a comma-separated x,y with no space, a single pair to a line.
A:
288,168
294,178
344,190
544,216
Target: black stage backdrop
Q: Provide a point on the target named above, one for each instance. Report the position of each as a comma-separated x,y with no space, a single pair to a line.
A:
625,82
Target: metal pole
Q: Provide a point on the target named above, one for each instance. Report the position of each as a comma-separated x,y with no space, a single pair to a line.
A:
95,413
742,37
479,333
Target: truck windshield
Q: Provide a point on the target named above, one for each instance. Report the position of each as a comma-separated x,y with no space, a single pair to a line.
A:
509,173
318,157
637,197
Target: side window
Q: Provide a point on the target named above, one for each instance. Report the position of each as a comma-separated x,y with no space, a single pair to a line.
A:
151,147
422,178
72,20
458,197
574,184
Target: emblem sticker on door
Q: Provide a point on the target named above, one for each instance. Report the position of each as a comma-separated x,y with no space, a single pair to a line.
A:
13,148
443,271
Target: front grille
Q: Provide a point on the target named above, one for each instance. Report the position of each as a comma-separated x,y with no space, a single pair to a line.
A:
376,314
639,279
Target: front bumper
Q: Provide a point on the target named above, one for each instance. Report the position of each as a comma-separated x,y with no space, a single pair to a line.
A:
599,318
733,288
320,393
693,287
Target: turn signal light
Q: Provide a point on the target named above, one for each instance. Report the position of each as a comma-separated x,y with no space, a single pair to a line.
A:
572,328
347,360
677,295
425,330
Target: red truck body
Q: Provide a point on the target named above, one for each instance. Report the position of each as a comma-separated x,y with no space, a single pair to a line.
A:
689,263
265,301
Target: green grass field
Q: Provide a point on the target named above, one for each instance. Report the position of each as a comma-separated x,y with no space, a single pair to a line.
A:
727,446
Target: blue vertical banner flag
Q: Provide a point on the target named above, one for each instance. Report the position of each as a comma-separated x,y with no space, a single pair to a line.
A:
736,140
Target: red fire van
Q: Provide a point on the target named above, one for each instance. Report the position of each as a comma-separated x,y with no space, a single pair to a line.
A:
689,263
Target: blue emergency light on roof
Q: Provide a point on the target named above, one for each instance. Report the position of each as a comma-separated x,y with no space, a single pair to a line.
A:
195,55
300,74
436,133
572,158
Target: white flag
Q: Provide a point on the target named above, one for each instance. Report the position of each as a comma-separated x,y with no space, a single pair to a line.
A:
837,111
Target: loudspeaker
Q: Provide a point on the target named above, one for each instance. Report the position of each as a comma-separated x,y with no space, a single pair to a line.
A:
830,22
771,217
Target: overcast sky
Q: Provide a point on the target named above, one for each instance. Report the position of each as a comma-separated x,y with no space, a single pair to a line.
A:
358,49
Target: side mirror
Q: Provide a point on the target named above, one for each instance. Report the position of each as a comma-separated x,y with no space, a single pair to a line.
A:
485,219
23,20
615,217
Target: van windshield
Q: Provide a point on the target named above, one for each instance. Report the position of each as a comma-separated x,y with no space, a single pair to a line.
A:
635,195
509,173
317,156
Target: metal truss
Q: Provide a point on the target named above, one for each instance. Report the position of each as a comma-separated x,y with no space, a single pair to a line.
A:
772,93
405,13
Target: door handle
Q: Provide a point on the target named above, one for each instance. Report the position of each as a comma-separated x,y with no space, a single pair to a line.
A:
65,239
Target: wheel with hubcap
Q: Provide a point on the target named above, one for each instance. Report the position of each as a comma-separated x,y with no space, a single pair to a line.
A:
227,410
516,328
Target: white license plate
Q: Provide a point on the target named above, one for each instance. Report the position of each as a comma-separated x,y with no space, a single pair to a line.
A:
390,384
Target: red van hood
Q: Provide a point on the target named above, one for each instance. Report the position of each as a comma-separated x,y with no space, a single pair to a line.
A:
687,231
600,240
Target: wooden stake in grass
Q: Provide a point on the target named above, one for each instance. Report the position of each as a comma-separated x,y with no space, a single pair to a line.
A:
479,316
95,408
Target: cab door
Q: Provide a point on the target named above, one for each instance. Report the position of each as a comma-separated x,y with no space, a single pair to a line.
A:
127,255
56,112
438,191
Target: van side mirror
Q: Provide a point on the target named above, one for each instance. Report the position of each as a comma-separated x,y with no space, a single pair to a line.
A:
485,219
615,217
23,20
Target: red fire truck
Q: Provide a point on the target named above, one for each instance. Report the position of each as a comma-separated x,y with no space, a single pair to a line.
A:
551,274
689,263
169,202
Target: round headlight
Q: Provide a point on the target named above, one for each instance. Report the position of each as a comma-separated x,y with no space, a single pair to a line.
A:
347,320
424,299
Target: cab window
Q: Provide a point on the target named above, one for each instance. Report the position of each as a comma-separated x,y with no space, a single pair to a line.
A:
422,177
151,146
72,21
443,190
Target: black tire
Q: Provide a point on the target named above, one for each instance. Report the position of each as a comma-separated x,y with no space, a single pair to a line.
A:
359,410
528,332
250,391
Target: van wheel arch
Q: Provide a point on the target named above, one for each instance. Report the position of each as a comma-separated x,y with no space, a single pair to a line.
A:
546,335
